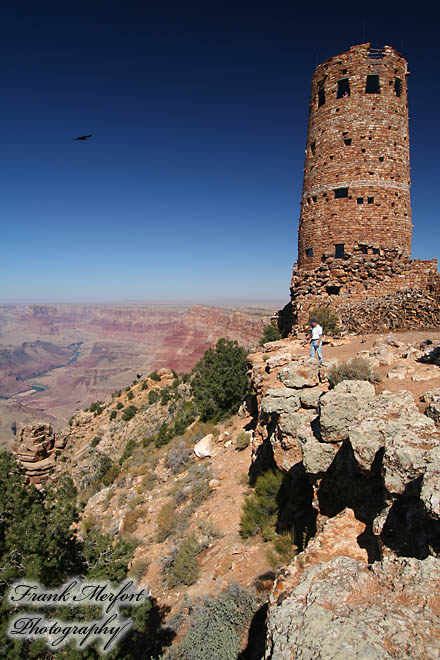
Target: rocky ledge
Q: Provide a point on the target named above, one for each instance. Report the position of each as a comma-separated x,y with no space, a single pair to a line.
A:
362,499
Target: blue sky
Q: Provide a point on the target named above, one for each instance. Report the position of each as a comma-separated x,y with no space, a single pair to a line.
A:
189,189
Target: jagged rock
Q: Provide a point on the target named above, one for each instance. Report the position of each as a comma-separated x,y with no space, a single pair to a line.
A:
280,400
310,397
300,374
431,396
430,491
343,609
399,372
433,411
205,446
278,360
316,456
339,408
34,448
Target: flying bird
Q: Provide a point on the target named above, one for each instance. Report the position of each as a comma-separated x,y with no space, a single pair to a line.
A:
83,137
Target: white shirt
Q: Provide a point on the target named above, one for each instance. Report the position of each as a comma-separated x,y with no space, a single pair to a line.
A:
317,332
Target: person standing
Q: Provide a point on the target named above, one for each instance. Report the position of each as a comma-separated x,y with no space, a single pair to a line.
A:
315,338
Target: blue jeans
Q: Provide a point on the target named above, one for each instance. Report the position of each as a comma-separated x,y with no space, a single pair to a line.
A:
315,347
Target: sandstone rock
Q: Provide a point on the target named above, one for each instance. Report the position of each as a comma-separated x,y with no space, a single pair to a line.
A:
278,360
399,372
427,373
339,408
343,609
34,448
300,374
430,491
204,448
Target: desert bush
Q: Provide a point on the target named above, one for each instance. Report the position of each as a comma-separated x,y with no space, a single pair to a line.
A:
131,518
165,395
242,441
355,369
178,457
113,415
138,569
163,437
96,440
149,481
96,407
166,521
130,396
220,380
184,568
260,509
153,396
282,551
129,413
207,528
128,450
326,318
216,626
154,376
119,405
270,333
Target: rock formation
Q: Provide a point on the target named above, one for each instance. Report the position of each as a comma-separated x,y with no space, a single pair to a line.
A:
35,449
362,484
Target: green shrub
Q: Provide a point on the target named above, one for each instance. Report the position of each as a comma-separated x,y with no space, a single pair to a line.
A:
184,568
165,395
261,508
242,441
149,481
216,626
96,440
119,405
144,385
220,380
130,396
96,407
270,333
166,520
282,551
138,569
127,389
326,318
354,369
113,415
154,376
153,396
163,437
129,413
128,450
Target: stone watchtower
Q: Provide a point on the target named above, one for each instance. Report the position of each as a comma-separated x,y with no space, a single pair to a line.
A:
354,240
356,175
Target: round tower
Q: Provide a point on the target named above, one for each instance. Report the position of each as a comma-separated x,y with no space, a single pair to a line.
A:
356,188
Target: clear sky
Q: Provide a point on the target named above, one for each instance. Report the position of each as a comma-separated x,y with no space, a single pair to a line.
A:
190,186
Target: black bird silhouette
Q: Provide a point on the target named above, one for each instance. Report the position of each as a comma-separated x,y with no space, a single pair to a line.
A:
83,137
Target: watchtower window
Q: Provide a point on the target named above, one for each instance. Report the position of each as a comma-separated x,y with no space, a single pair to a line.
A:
339,251
398,87
347,142
370,200
341,192
309,252
372,86
333,290
313,147
343,88
360,200
321,97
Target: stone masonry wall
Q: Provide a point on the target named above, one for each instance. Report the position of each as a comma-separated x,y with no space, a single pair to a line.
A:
358,144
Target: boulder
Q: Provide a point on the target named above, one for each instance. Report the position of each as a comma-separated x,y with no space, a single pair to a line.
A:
431,396
340,407
346,610
300,374
280,400
316,456
204,448
309,398
433,411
